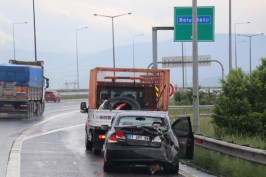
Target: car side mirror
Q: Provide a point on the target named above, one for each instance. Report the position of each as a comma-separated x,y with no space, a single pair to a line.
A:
83,107
104,127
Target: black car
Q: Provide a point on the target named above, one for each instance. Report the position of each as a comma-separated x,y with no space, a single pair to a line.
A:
148,138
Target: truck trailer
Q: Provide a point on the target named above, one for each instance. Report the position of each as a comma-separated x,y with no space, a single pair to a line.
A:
22,89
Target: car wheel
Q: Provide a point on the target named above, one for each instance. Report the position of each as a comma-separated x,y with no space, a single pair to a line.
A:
88,143
171,169
107,167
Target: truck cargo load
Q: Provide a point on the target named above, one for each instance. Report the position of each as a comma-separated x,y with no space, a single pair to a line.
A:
22,86
21,75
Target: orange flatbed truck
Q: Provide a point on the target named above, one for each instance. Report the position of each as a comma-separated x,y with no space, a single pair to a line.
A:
113,90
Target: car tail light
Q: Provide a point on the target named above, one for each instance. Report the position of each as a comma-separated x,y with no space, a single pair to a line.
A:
199,141
120,135
23,106
102,137
112,138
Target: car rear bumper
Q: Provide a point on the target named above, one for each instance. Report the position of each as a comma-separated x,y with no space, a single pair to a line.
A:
165,154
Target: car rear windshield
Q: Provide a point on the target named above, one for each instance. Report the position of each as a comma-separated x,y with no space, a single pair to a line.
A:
142,121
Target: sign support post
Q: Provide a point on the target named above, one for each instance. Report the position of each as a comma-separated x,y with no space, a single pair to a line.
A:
195,69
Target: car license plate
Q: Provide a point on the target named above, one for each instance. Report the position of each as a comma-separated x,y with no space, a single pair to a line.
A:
138,137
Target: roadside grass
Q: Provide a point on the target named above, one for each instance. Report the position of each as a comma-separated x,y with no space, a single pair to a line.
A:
81,96
225,165
215,162
207,128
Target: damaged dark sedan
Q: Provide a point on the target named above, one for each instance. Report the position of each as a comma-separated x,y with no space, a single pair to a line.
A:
148,138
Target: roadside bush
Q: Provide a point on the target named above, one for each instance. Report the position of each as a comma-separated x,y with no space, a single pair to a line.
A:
185,98
241,107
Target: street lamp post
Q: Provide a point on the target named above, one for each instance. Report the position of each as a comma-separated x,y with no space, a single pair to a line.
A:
134,48
14,48
34,28
236,52
250,36
236,42
112,17
230,37
77,54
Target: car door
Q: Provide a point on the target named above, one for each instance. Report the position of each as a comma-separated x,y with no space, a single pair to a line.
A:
183,131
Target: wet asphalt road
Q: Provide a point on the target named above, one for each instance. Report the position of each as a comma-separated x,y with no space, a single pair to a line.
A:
55,148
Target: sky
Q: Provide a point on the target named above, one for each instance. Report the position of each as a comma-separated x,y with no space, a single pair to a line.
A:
58,20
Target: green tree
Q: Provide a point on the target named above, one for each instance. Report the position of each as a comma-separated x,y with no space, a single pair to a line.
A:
241,107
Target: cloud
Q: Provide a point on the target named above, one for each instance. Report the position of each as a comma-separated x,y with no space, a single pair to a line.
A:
4,37
4,18
57,20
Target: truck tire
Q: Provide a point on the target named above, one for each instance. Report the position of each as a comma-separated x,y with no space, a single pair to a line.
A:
30,110
113,103
42,108
88,143
96,151
38,109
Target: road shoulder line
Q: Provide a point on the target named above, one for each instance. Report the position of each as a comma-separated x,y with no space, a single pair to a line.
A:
13,166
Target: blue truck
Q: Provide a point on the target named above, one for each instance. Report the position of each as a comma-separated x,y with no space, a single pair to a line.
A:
22,89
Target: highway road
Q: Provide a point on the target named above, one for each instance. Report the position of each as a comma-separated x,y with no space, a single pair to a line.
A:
53,146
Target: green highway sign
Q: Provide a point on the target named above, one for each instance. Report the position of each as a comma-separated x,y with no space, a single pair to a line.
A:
183,24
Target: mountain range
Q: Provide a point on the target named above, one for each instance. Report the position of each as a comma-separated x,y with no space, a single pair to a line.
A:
61,68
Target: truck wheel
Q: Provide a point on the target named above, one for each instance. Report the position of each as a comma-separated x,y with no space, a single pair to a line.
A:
42,108
96,151
38,110
113,103
88,143
30,110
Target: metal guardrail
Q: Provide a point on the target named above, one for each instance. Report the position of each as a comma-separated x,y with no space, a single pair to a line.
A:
239,151
243,152
235,150
191,107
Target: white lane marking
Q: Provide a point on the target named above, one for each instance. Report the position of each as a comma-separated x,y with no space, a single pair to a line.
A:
181,172
13,166
52,131
60,107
